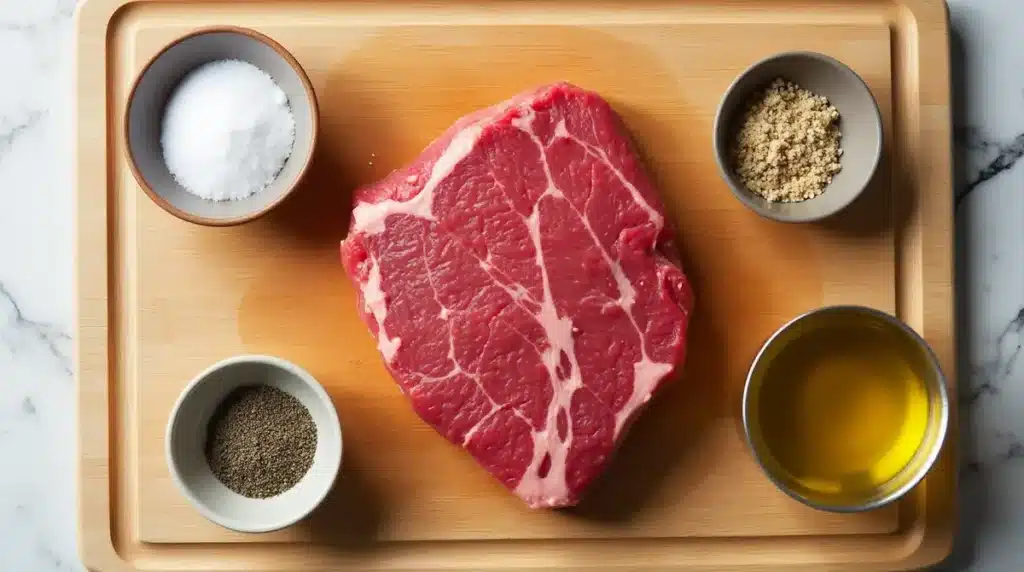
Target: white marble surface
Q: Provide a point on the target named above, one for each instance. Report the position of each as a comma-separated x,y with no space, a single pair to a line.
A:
37,502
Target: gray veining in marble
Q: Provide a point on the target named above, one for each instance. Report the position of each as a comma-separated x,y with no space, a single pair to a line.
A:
37,527
37,502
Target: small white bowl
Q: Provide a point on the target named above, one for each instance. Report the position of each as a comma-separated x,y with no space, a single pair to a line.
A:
148,97
186,439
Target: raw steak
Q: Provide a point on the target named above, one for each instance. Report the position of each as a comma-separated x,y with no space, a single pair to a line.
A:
523,288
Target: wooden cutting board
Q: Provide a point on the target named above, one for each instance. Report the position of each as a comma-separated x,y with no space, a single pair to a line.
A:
159,299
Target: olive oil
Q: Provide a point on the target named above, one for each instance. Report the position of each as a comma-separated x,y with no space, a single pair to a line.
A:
842,411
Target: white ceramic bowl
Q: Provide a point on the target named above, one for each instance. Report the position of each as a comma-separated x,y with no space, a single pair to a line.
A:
145,108
186,438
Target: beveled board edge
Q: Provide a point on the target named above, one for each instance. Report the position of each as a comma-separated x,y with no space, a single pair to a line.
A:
921,160
92,348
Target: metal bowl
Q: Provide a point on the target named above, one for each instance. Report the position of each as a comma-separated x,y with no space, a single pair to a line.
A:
861,322
859,120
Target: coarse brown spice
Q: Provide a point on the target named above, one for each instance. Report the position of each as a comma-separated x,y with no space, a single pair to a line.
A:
260,441
787,148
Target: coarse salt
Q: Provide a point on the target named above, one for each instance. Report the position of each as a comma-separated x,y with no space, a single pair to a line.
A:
227,131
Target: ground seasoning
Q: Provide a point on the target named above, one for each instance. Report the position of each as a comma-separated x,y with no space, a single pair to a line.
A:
787,148
260,441
227,131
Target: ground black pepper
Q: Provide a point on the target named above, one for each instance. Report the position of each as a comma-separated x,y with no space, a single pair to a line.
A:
260,441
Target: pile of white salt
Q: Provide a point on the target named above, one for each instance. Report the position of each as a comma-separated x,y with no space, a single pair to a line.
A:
227,131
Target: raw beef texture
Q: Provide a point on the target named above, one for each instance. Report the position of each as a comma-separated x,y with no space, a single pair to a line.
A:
523,287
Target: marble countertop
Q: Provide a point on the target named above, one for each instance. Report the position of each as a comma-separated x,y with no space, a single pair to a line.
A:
37,498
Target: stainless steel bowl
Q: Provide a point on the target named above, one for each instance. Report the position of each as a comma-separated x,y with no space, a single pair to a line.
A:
867,322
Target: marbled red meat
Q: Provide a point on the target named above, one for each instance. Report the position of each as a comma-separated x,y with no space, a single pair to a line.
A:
524,288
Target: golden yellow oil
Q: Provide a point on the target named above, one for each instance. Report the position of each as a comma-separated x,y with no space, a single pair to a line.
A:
841,411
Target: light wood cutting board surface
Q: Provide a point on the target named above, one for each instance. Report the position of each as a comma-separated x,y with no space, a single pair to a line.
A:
160,298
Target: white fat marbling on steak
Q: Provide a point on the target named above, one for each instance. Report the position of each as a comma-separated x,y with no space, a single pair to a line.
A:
376,304
370,218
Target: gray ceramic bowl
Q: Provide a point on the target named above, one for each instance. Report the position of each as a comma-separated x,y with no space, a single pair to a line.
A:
859,120
161,75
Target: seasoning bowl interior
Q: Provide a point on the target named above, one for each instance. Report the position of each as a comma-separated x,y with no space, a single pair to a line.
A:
859,121
845,408
187,436
148,99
